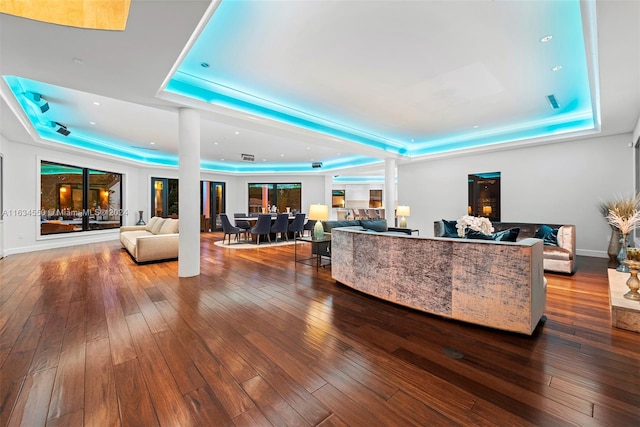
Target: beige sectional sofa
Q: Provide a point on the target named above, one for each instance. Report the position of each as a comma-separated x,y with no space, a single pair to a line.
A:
495,284
158,240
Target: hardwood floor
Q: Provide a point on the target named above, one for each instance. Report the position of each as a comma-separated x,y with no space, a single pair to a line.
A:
89,338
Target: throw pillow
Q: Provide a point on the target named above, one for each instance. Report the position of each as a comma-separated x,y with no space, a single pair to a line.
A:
170,226
548,235
151,222
450,229
374,224
155,228
509,235
478,235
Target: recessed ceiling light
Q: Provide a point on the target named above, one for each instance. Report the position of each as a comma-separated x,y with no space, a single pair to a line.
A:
413,140
264,160
204,65
78,61
237,133
557,68
476,126
546,38
96,103
152,143
92,123
308,148
215,143
339,154
222,160
281,155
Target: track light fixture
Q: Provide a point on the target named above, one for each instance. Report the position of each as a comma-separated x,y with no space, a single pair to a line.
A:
38,100
60,128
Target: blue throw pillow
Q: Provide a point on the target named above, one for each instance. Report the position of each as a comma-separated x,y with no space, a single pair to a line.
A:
548,235
478,235
374,224
509,235
450,229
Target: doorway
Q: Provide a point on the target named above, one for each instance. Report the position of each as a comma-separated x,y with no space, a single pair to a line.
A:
212,204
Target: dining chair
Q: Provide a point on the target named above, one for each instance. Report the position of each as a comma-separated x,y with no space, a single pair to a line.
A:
354,213
281,225
297,225
309,226
244,224
262,227
373,214
362,214
229,229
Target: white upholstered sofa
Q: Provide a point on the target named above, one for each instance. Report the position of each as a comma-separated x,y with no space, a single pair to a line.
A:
158,240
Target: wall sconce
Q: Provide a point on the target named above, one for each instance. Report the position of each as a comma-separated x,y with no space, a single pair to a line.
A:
486,210
319,213
403,211
158,185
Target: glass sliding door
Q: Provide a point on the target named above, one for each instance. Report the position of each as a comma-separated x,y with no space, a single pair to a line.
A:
164,197
212,204
76,199
263,197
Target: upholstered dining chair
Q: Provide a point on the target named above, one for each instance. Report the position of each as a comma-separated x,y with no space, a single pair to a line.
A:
244,224
228,229
309,226
281,226
362,214
297,225
373,214
262,227
354,214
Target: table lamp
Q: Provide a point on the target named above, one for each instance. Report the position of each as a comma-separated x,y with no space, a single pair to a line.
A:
403,211
319,213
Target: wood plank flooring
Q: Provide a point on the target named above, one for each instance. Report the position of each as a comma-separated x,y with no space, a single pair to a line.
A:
87,337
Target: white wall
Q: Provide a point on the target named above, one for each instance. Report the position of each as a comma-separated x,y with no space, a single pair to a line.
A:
21,194
4,185
561,183
22,198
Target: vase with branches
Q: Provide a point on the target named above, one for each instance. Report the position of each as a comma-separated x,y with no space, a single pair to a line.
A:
623,206
625,217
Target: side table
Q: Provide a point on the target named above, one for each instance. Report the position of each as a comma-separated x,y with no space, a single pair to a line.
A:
320,247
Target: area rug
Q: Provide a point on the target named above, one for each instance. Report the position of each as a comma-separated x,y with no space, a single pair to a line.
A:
243,245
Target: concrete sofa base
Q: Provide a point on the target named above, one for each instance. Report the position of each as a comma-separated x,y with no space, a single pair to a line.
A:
496,284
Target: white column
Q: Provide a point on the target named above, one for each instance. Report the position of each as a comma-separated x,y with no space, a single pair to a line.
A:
328,191
189,192
389,194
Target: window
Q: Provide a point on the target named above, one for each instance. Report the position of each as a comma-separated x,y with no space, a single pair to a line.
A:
484,195
282,195
375,198
74,199
337,199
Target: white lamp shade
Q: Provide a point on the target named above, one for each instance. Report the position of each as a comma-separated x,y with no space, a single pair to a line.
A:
403,211
319,212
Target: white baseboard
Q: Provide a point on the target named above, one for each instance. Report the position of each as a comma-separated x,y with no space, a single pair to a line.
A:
60,243
596,254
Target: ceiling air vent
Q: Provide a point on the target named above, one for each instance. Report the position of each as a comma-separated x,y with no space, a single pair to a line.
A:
553,102
248,157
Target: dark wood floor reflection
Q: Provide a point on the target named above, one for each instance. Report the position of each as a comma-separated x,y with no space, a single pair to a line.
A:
89,338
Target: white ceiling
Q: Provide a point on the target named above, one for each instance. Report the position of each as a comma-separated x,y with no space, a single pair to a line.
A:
396,70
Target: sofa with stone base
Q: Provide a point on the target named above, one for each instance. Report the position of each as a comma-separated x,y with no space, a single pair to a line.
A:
155,241
490,283
559,250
